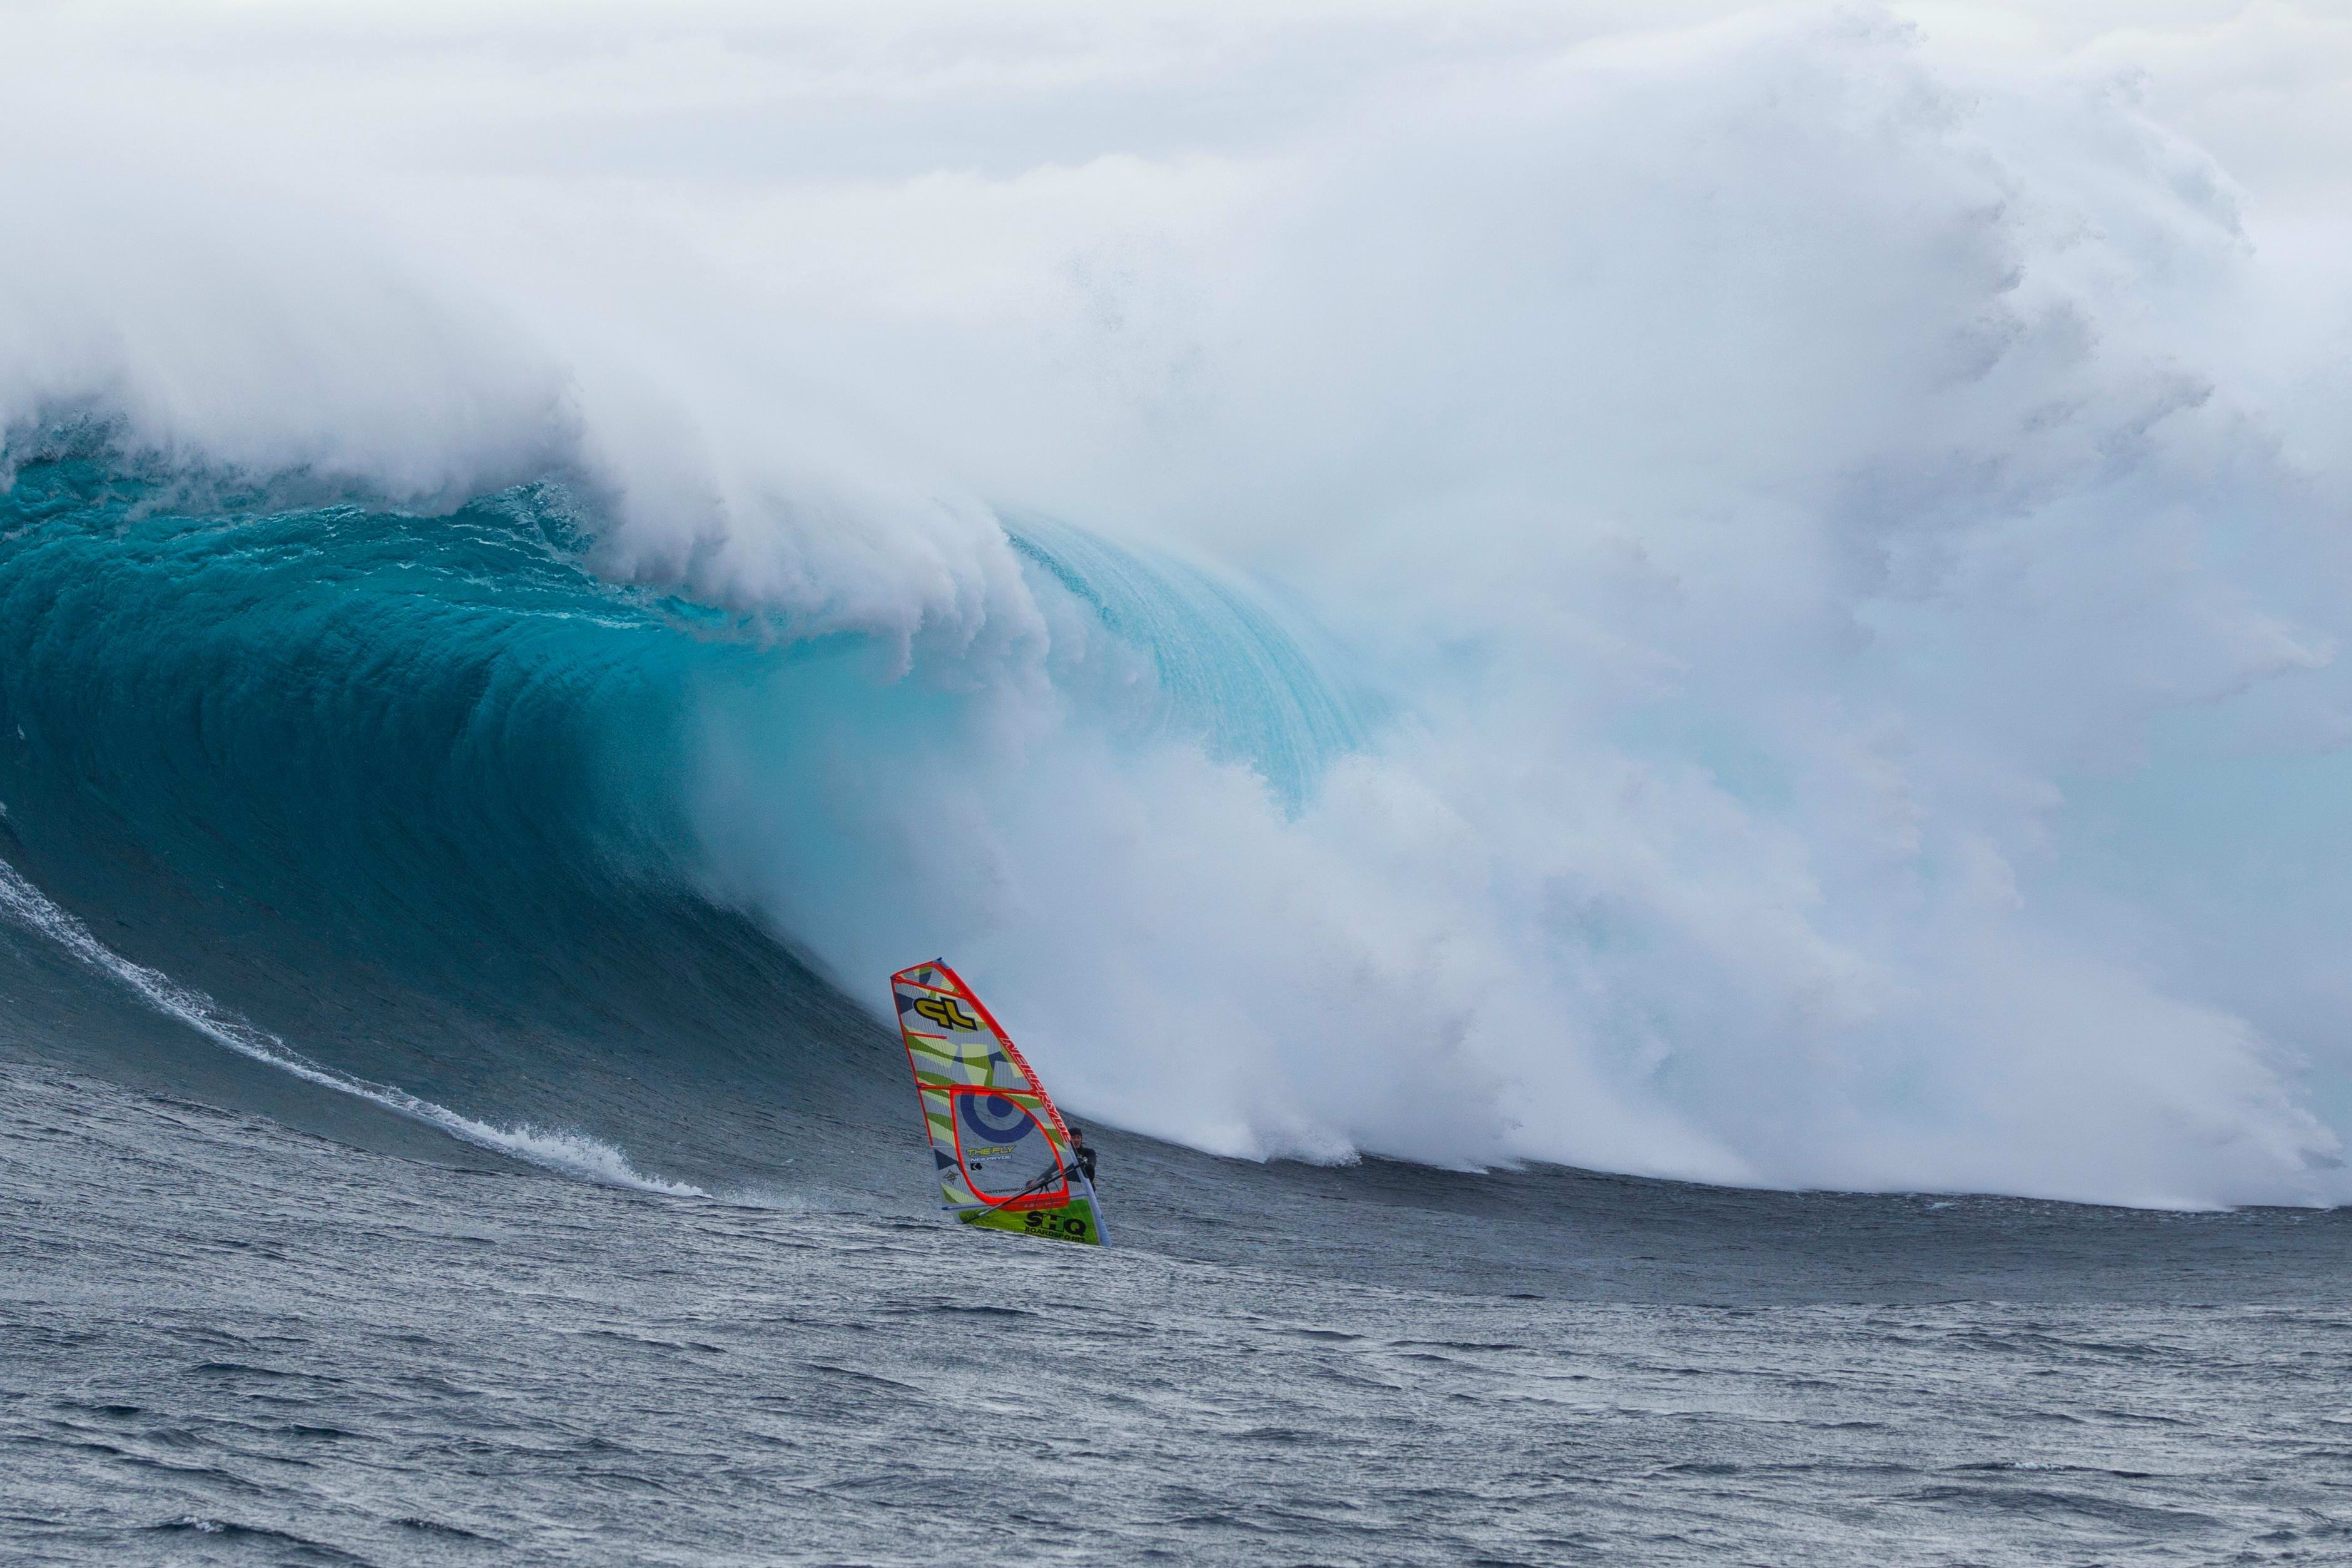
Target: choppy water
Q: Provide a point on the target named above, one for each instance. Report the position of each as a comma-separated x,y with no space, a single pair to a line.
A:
229,1341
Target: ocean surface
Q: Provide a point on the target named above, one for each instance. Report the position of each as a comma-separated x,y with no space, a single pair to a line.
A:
230,1340
408,1155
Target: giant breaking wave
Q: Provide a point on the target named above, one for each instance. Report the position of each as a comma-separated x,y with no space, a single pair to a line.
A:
1757,604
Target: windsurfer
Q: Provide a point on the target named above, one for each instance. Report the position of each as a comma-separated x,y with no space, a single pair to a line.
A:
1081,1155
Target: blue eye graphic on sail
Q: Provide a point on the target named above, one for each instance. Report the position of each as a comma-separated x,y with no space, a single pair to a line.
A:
1002,1149
995,1119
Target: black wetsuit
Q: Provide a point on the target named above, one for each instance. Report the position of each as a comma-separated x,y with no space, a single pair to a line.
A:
1085,1159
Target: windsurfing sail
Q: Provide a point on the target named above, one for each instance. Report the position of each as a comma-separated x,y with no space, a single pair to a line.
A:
1001,1151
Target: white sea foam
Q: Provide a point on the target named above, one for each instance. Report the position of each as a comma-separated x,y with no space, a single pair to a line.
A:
573,1153
1849,517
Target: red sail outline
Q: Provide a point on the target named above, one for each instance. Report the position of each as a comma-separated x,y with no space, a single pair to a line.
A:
1041,1198
956,987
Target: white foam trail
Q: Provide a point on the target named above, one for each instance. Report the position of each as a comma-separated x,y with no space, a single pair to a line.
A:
573,1153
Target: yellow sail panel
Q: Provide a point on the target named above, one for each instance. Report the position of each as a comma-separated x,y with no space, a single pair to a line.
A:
1000,1149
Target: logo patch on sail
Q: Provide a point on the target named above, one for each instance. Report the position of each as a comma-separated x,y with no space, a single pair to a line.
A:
947,1013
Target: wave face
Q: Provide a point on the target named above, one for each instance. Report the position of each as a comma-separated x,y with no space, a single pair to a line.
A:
428,794
396,787
1757,603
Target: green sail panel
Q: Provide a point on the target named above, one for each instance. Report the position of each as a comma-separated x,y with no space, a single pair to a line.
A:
1001,1151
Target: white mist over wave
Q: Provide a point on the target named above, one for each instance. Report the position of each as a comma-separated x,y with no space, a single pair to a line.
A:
1850,520
571,1153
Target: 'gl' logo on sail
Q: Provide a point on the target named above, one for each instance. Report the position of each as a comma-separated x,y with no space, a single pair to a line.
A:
947,1013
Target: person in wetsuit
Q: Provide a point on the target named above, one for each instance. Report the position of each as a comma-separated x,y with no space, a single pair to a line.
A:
1080,1155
